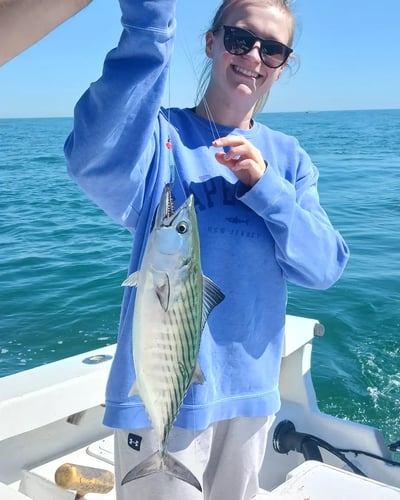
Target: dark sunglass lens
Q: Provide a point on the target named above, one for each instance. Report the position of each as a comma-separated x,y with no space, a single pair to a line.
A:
238,41
274,54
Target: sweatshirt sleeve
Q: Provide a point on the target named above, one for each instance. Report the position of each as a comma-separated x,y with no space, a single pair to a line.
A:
116,121
309,250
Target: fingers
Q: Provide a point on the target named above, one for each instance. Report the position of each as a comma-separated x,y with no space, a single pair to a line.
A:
229,140
242,158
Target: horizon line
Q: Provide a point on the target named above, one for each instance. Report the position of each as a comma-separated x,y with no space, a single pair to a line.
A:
260,113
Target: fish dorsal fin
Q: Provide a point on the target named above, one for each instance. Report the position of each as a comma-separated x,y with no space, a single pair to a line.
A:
131,280
162,289
212,296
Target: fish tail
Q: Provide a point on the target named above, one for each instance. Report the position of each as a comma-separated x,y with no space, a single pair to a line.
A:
159,462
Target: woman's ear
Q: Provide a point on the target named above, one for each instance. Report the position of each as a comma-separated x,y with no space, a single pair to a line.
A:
209,44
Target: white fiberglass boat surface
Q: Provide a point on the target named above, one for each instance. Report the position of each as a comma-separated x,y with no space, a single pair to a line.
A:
51,425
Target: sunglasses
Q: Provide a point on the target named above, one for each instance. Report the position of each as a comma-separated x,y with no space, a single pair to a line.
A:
238,42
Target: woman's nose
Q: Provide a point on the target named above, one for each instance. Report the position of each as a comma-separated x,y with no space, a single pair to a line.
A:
256,49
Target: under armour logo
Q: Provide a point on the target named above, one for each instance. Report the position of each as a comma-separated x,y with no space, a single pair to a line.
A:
134,441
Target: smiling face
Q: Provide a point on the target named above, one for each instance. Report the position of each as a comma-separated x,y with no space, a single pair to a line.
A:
238,81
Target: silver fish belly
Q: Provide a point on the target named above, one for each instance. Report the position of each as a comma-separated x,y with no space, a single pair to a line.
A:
172,304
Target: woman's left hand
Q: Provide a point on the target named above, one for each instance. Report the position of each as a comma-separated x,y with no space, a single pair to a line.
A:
243,159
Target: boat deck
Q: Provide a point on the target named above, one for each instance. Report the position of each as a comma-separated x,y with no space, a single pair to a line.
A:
53,414
310,480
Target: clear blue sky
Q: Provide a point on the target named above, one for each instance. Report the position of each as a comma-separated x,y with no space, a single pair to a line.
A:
348,49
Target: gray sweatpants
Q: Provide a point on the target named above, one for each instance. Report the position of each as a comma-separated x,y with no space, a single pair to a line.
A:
225,458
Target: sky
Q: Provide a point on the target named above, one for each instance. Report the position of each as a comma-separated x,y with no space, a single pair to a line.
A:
348,54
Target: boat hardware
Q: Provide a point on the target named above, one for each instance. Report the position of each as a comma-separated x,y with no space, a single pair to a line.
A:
84,479
286,439
96,359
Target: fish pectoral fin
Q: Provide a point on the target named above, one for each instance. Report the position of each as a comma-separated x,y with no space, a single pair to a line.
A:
131,280
212,296
198,375
162,289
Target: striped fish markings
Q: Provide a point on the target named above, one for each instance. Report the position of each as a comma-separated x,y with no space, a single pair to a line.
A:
172,304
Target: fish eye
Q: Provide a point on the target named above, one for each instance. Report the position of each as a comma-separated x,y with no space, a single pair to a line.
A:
182,227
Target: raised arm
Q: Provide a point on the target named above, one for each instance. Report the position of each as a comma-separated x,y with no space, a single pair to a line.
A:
115,121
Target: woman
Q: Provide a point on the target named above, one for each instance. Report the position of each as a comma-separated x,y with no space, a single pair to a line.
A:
260,225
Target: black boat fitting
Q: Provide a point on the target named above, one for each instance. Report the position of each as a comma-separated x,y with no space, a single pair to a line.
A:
286,439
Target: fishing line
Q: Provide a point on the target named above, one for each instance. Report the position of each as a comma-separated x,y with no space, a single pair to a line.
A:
174,172
213,127
172,166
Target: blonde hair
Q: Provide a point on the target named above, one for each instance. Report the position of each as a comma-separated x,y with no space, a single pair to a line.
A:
218,21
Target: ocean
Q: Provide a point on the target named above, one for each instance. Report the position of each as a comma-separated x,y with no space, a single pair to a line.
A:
62,260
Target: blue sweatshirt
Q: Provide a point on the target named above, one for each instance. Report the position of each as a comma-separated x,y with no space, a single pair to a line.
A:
252,240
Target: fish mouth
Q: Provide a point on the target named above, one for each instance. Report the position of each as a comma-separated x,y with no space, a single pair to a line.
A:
165,209
166,214
169,203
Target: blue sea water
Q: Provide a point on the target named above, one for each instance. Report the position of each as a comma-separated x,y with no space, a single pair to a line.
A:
62,260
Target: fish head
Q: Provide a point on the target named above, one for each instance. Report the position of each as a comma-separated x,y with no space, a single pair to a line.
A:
176,231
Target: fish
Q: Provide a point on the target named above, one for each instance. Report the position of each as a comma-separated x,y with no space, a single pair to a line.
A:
173,301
